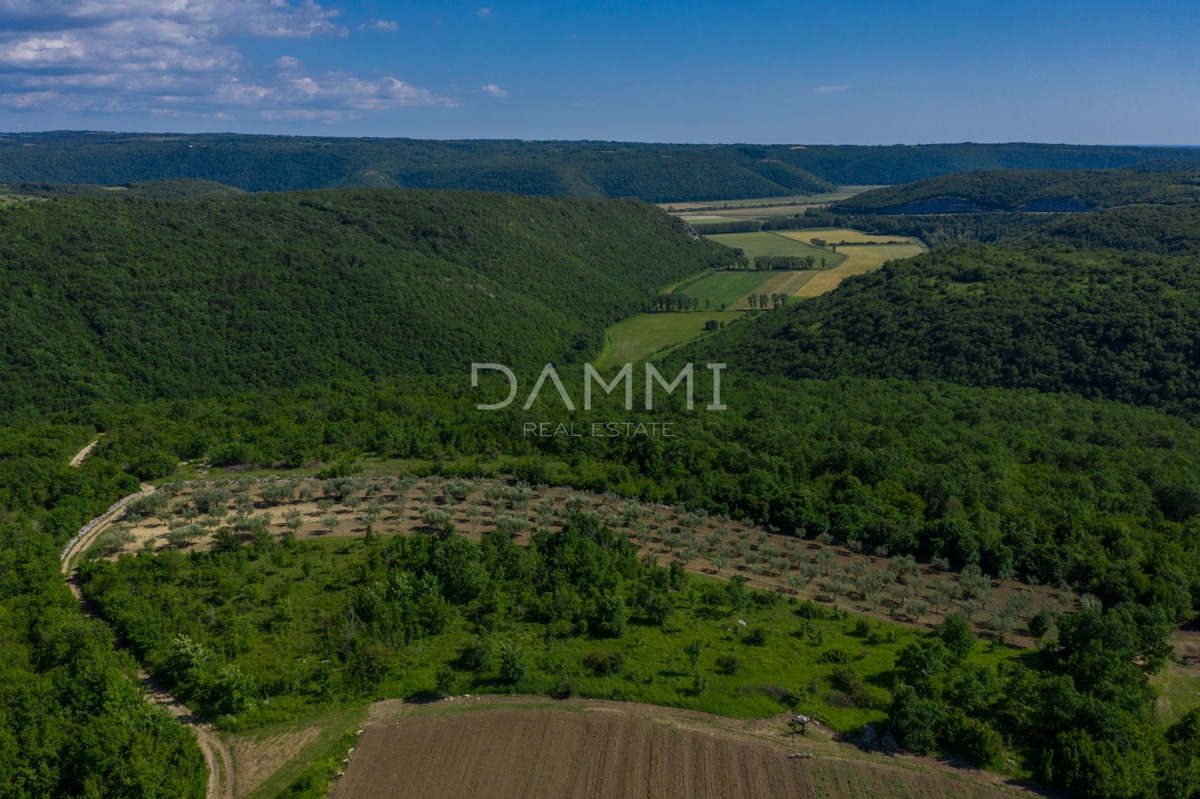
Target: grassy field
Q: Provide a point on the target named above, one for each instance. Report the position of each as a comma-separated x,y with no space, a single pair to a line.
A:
632,340
859,258
789,663
775,243
727,287
771,203
789,283
848,235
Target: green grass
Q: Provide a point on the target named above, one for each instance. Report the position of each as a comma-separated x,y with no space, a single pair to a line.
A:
767,242
655,669
727,287
634,339
313,764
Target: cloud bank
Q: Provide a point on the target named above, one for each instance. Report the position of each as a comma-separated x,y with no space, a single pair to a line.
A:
175,57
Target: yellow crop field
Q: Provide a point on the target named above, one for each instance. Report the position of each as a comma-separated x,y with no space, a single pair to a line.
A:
859,260
838,235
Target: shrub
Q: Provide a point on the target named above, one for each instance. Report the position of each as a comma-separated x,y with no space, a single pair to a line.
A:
835,655
729,665
512,664
477,655
605,663
757,636
443,680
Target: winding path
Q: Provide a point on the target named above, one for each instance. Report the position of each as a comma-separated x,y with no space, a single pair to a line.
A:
216,754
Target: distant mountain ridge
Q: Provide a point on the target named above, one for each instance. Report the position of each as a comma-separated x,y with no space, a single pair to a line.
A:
1046,191
650,172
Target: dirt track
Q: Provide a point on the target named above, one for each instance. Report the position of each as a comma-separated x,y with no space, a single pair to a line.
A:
216,755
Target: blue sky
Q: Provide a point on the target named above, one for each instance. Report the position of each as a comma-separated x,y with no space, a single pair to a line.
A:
868,72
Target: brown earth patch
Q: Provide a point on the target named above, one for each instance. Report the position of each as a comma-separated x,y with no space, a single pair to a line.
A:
605,750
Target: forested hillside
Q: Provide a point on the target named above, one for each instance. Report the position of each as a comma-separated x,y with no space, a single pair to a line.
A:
1098,495
651,172
1169,230
988,191
127,299
1119,326
176,189
1163,229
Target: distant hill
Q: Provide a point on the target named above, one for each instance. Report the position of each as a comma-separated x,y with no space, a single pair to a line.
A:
990,191
1169,230
126,299
651,172
1115,326
176,189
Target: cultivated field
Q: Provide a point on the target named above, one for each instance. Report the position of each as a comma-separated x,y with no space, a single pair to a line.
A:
789,283
769,205
726,287
846,235
775,243
631,340
617,750
860,258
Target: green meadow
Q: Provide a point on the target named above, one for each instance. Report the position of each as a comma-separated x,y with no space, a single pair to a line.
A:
766,242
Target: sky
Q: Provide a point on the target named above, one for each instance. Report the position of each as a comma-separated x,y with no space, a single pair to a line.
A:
831,72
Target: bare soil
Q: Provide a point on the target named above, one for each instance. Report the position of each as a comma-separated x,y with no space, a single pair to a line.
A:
603,750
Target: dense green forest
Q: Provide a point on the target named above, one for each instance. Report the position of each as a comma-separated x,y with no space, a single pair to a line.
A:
651,172
1096,495
1012,480
1169,230
128,299
1026,190
1163,229
177,189
1101,325
73,718
1021,410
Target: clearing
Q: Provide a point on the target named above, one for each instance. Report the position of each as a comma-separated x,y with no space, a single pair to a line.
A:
860,257
634,339
789,283
750,548
726,287
484,749
770,242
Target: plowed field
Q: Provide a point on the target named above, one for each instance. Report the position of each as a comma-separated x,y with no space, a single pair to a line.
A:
555,754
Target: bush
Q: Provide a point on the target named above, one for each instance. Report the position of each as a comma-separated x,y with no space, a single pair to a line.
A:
443,680
611,616
512,664
729,665
605,664
477,656
757,636
835,655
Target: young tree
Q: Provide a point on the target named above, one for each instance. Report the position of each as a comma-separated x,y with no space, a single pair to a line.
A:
694,651
331,523
293,520
512,664
443,680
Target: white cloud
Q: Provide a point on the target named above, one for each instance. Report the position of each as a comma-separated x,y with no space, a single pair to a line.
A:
494,90
380,25
823,89
484,12
176,56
